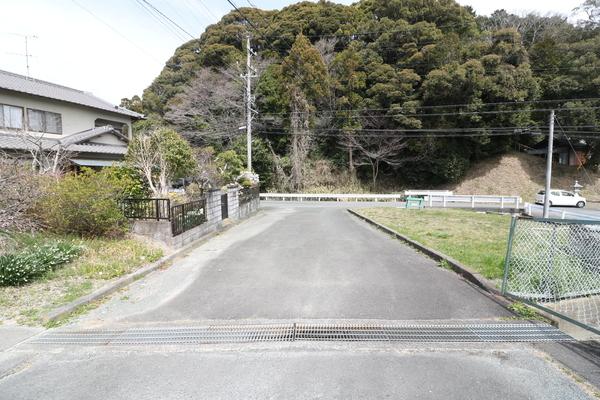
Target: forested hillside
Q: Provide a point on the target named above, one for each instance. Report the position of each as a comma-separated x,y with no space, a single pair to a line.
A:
382,92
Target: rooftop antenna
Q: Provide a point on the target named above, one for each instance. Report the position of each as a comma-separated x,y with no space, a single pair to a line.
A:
27,55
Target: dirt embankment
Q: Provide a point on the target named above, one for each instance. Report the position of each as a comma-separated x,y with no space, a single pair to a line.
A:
523,175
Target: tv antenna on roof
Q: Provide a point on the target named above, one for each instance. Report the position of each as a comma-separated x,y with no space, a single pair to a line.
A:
27,55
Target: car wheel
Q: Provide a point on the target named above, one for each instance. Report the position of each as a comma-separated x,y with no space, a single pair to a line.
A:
580,204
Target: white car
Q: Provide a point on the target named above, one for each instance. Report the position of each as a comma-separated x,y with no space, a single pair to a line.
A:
561,198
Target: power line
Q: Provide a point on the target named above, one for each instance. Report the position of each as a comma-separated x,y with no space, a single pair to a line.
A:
412,29
574,152
243,16
168,19
443,114
259,34
194,7
160,21
522,102
418,133
114,30
208,9
409,130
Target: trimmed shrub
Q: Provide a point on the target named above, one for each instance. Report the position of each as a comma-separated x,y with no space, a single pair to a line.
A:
127,180
85,204
35,261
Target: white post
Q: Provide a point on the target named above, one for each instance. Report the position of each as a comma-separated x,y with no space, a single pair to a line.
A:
472,201
430,200
501,202
444,200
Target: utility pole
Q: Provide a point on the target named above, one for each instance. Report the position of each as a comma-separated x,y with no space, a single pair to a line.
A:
549,166
250,73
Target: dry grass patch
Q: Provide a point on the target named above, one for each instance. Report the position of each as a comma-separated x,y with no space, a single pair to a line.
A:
523,175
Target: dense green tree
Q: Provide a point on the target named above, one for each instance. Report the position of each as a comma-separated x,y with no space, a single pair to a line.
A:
343,83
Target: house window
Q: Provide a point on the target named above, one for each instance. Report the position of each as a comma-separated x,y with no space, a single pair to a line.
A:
11,117
44,121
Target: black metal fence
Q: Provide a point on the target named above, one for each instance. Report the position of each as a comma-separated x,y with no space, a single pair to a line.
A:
158,209
248,194
187,216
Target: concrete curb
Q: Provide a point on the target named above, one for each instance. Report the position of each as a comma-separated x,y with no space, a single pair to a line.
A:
123,281
464,271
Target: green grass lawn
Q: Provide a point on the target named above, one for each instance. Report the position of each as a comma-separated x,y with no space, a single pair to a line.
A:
477,240
100,261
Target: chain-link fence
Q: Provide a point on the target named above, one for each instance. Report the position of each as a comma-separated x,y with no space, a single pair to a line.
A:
555,265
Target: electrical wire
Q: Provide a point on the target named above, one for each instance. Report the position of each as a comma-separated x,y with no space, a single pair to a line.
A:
507,103
115,30
453,114
208,9
591,182
168,19
160,21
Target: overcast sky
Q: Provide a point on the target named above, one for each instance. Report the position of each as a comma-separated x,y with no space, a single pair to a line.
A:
115,48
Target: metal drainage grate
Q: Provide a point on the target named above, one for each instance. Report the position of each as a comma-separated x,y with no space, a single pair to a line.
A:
523,332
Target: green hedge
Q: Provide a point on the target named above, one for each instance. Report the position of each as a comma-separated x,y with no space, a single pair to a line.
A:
24,267
84,204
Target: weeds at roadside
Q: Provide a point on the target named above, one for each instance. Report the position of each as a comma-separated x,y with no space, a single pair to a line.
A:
445,265
523,311
83,309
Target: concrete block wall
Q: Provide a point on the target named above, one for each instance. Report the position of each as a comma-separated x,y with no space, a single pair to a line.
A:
161,230
233,203
155,230
249,208
213,209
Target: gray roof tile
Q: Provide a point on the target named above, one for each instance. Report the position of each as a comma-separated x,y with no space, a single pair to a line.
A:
23,84
89,134
20,142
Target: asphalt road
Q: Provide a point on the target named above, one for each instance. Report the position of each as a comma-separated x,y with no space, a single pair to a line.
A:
588,213
290,263
322,263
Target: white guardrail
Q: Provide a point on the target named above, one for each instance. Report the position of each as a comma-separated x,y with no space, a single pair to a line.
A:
473,201
536,210
431,199
331,197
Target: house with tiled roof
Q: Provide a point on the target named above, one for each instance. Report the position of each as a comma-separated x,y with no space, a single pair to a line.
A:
36,113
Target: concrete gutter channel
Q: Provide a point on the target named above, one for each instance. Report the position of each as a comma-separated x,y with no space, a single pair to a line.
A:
124,281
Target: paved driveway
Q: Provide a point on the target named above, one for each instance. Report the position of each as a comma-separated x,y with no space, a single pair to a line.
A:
292,263
313,263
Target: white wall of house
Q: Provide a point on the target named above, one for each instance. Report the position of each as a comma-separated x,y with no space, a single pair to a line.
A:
75,118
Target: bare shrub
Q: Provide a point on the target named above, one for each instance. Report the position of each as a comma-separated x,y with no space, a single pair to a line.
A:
20,188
